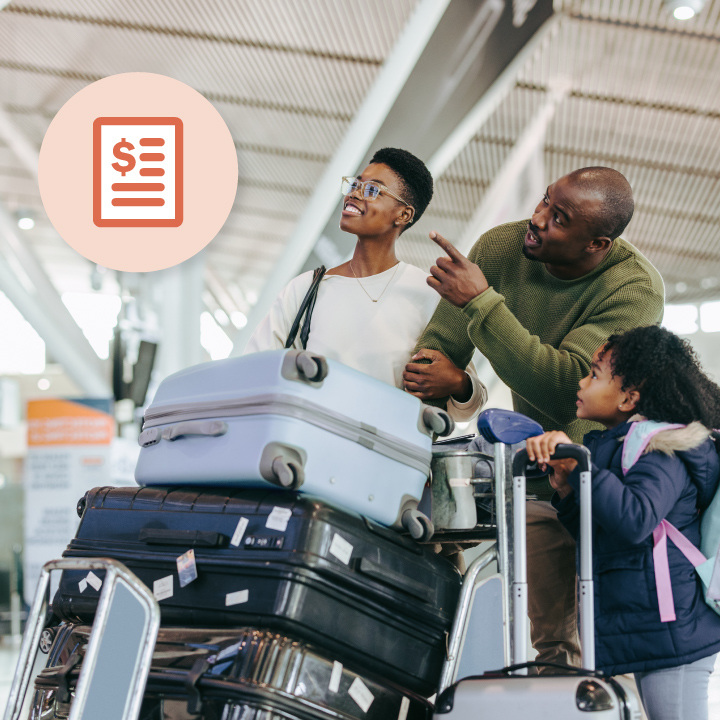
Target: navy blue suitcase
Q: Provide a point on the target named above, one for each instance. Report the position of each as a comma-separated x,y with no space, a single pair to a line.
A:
279,560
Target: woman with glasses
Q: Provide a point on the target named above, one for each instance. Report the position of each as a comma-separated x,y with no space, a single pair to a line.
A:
370,311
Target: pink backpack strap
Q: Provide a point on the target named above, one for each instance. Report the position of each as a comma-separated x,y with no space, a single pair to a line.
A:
661,533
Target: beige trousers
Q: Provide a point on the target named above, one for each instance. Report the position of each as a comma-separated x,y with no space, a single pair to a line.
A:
552,598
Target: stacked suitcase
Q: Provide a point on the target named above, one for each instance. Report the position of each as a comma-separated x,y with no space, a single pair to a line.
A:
232,674
268,526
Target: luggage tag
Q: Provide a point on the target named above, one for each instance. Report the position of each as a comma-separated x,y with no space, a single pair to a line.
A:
335,677
404,707
163,588
237,598
92,580
341,548
360,693
278,519
187,569
239,531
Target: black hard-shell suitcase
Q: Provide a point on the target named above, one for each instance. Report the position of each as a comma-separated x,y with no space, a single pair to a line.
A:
247,673
275,559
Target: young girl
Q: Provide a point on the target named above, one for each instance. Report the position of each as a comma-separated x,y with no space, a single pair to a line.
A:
650,372
371,310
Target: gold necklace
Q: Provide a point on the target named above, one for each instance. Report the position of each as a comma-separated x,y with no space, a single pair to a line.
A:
384,289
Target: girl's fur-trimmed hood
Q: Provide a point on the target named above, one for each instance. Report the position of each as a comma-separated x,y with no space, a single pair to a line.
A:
675,440
692,445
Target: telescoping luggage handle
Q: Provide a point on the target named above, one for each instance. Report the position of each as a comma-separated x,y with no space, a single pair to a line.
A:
585,580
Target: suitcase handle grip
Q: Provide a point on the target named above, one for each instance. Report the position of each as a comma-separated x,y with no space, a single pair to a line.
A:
564,450
394,580
185,538
213,428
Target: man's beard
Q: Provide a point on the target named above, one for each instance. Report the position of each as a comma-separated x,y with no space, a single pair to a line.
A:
527,254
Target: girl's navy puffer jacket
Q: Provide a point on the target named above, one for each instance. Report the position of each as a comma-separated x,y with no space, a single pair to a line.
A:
677,476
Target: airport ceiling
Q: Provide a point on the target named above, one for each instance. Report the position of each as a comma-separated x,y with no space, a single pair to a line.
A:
619,83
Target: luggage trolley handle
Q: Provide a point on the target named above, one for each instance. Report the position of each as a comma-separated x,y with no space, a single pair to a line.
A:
124,598
585,580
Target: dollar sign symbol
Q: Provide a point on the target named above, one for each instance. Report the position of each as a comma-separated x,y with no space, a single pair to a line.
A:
124,156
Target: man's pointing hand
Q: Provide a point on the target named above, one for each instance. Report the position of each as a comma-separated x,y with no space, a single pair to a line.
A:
456,278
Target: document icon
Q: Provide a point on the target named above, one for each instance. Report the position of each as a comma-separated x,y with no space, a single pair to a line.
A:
137,172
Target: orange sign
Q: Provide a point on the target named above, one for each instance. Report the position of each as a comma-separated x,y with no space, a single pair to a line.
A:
62,422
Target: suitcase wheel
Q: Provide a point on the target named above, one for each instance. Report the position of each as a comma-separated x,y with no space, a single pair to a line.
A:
418,525
437,421
288,474
311,367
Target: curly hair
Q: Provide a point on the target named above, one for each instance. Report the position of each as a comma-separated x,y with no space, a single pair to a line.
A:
665,370
415,178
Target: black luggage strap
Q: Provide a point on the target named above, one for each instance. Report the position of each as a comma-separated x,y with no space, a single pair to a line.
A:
60,677
306,308
195,703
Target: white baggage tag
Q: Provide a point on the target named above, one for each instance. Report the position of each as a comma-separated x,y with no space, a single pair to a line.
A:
341,548
94,581
237,598
83,585
279,518
360,694
163,588
335,677
187,569
404,707
239,531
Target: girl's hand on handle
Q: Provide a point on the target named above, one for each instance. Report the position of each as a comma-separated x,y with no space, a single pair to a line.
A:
540,449
559,476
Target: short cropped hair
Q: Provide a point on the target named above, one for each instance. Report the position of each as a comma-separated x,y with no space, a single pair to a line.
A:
617,198
415,178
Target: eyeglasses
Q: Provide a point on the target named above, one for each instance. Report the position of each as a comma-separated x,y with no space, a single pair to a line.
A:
369,189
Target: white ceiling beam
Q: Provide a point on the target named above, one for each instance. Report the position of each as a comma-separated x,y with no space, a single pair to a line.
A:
22,148
86,375
62,335
531,140
458,140
353,148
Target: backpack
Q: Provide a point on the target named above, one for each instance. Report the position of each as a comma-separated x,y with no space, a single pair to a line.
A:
705,560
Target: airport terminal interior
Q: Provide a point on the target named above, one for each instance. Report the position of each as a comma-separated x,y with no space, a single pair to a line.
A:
499,98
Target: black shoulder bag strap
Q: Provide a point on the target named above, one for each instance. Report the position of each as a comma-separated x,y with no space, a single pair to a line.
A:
306,308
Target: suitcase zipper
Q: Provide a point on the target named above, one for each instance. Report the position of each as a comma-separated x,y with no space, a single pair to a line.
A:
275,404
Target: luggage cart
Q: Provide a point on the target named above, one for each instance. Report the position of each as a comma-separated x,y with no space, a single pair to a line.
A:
508,691
119,651
501,634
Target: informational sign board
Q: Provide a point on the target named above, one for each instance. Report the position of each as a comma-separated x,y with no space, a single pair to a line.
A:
69,444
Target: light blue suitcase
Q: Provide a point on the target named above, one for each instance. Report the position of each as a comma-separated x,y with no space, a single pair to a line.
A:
296,420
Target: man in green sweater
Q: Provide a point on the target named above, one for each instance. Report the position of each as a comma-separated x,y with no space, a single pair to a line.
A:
537,299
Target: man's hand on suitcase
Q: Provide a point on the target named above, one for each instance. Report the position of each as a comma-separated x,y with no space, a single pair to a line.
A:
436,379
456,278
541,447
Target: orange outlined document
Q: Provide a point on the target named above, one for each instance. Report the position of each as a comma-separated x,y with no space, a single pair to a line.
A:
137,172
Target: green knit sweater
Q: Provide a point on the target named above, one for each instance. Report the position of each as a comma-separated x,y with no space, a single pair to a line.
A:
539,332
